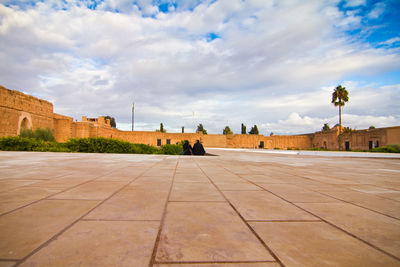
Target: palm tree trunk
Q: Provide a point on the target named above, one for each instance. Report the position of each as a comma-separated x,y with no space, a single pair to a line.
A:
340,125
340,119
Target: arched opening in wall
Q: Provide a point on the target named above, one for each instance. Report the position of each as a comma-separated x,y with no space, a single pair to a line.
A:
24,124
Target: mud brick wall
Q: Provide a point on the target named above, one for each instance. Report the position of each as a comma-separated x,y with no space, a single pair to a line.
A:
18,110
15,106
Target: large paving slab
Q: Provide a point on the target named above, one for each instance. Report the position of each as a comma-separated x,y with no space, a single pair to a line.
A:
100,243
210,232
195,192
240,208
318,244
377,229
97,190
25,230
262,205
132,204
22,196
296,193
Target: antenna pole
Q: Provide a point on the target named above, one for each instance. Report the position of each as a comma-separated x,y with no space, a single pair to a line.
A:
133,113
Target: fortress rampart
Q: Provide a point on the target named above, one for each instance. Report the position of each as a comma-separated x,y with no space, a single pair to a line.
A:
19,111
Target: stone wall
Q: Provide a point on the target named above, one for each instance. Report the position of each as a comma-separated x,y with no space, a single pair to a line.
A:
358,139
326,140
152,138
269,142
63,127
290,141
392,136
18,110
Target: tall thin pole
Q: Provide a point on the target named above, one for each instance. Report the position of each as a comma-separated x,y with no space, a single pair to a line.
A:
340,125
133,110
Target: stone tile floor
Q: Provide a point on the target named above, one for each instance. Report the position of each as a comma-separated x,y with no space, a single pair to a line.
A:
235,209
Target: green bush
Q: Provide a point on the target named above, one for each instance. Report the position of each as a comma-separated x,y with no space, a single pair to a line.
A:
49,146
143,149
171,149
17,143
387,149
39,134
107,145
86,145
27,133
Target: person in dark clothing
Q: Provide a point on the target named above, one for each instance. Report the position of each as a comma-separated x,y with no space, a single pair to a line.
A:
198,149
187,149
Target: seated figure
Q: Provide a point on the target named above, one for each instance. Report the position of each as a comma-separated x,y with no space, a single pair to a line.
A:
198,149
187,149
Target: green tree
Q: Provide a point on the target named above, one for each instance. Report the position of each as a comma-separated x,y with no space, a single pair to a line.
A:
200,129
339,97
162,128
243,129
39,134
112,121
254,130
227,130
183,129
348,130
326,127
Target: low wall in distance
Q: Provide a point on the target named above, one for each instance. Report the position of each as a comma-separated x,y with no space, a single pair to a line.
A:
19,111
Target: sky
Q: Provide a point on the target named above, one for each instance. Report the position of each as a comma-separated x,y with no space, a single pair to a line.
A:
270,63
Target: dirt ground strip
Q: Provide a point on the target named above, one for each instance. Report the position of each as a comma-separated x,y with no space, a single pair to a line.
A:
239,208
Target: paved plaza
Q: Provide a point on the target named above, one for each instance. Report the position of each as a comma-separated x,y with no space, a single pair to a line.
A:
240,208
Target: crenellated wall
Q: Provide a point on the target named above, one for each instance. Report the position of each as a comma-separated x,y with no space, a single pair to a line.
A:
18,110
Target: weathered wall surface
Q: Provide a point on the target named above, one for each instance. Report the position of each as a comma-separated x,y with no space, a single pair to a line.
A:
243,140
357,140
18,110
393,135
327,140
62,127
151,138
291,141
360,140
213,140
270,142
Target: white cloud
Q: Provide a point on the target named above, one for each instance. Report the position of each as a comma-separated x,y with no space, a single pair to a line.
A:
271,60
295,124
377,11
391,41
355,3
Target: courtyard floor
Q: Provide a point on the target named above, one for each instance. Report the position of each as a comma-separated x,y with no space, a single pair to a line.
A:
239,208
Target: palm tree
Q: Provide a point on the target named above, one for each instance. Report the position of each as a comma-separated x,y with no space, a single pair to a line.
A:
339,97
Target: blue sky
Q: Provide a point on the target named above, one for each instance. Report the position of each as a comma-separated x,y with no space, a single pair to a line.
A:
216,62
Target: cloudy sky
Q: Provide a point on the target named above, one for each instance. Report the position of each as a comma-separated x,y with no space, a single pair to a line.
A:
273,63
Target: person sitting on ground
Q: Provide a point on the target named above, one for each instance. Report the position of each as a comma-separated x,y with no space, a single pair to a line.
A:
198,149
187,149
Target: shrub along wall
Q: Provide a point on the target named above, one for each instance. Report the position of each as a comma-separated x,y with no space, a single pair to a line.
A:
86,145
